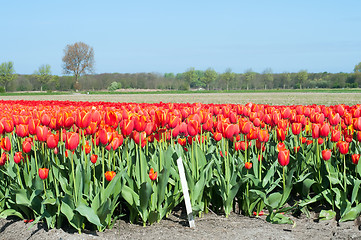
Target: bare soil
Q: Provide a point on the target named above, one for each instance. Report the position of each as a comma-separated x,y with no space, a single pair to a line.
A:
210,226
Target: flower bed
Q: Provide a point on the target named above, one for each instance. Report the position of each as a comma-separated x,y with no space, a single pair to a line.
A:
87,163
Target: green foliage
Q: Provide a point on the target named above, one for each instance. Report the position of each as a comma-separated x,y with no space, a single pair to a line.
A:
114,86
7,73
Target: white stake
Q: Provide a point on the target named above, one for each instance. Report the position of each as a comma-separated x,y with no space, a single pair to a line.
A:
185,193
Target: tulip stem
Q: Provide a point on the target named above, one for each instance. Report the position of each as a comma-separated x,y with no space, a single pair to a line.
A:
103,171
73,174
329,174
344,173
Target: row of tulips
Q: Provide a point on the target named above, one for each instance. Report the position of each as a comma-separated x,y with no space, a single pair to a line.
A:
88,163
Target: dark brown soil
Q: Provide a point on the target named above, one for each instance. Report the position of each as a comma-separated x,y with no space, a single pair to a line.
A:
210,226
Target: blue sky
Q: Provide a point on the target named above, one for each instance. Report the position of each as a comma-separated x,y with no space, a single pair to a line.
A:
172,36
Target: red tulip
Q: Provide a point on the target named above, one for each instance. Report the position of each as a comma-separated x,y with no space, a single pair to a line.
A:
128,126
139,123
33,123
152,174
281,146
18,157
22,130
42,133
193,127
3,159
45,119
43,173
296,128
83,119
93,158
325,130
335,135
217,136
281,136
248,165
111,119
315,131
284,157
326,154
263,135
320,141
6,144
109,175
245,127
355,158
52,140
27,146
71,141
343,147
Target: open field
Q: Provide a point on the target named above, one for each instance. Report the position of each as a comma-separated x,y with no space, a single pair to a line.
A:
274,98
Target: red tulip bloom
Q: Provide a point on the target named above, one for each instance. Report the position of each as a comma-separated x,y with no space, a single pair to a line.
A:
355,158
245,127
6,144
3,159
315,131
109,175
326,154
87,147
93,158
140,123
334,119
296,128
52,140
22,130
152,174
320,141
335,135
128,126
284,157
71,141
263,135
43,173
248,165
18,157
42,133
343,147
193,127
45,119
325,130
27,146
83,119
217,136
281,136
281,146
111,119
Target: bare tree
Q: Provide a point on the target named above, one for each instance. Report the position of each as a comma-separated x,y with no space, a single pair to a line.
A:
78,59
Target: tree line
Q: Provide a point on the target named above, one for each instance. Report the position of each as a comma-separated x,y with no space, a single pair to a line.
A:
78,60
191,79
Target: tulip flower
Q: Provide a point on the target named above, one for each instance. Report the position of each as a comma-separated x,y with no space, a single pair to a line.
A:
320,141
22,130
263,135
343,147
27,146
284,157
109,175
93,158
52,141
71,141
326,154
281,146
3,159
18,157
152,174
248,165
43,173
355,158
6,144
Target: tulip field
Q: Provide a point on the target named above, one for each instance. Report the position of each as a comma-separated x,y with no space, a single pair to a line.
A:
87,164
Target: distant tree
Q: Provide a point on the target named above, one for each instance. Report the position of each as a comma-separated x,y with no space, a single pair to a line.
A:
249,76
301,77
190,76
78,59
43,75
357,68
267,78
228,76
7,73
209,76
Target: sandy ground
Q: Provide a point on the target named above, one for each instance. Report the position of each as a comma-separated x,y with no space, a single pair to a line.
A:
210,226
236,98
